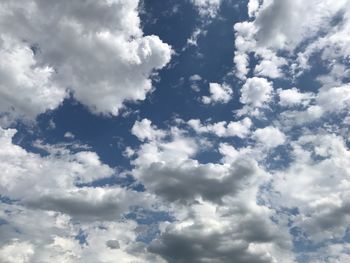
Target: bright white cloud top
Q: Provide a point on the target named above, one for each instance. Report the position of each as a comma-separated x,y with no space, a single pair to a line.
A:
242,162
96,50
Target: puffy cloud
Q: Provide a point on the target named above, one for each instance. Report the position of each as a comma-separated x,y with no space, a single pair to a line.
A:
214,204
26,87
190,180
54,213
244,43
278,27
207,8
241,61
223,129
327,101
317,184
144,130
41,236
270,65
193,244
293,97
253,7
256,91
16,252
333,253
269,137
51,182
98,52
334,99
208,234
218,94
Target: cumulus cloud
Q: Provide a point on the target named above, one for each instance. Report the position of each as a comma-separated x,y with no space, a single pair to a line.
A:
207,8
207,201
256,91
208,233
280,28
317,184
275,184
275,28
144,130
98,52
293,97
269,137
26,87
327,101
218,94
53,237
223,129
52,182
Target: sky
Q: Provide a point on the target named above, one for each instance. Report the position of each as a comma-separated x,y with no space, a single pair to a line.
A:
191,131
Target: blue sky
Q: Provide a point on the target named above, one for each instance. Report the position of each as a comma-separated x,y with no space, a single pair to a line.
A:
174,131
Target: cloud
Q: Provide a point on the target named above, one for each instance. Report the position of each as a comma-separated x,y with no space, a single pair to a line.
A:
51,182
144,130
316,182
206,235
293,97
26,87
189,180
223,129
98,52
269,137
218,94
69,135
327,101
16,252
280,28
207,8
210,201
277,39
256,91
37,236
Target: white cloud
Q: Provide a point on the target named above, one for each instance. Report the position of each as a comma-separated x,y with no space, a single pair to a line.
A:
270,64
276,28
244,43
280,28
207,8
256,91
192,41
241,61
38,236
144,130
16,252
223,129
253,7
69,135
269,137
51,182
104,62
317,183
293,97
49,208
218,94
327,101
26,86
